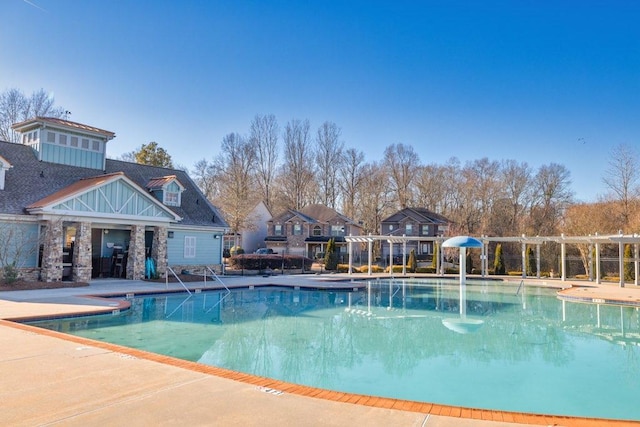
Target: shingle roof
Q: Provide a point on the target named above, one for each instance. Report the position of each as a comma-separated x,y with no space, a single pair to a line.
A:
421,215
31,180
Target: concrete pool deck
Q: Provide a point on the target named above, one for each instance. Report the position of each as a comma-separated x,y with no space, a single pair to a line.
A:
54,379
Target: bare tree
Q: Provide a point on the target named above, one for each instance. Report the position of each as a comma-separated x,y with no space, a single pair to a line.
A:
516,183
438,187
622,177
351,178
235,165
264,137
430,187
551,187
297,172
328,158
16,107
376,198
585,219
401,163
206,178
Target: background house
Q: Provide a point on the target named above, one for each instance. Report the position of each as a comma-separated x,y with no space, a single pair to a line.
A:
414,222
307,231
252,236
75,214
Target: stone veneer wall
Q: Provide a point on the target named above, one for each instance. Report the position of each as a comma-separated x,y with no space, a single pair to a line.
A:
82,253
159,249
195,269
29,274
52,252
136,256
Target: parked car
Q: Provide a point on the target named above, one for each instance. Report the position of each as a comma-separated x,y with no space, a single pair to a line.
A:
264,251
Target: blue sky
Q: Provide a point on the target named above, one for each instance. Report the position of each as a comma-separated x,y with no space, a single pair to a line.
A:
535,81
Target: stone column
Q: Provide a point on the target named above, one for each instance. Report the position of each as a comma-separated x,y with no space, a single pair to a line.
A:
159,249
135,257
52,252
82,267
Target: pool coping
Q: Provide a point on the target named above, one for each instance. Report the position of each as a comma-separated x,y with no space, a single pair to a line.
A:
307,391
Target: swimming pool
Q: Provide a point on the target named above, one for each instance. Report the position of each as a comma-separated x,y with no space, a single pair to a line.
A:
515,349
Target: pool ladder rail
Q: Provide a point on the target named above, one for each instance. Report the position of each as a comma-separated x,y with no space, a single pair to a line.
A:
205,275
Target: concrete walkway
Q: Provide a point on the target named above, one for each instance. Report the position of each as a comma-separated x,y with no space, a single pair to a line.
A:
53,379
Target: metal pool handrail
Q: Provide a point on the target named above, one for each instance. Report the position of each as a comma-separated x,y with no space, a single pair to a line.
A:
166,275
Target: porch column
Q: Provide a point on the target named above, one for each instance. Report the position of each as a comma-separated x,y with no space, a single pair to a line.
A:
635,264
82,267
538,260
590,262
52,252
483,257
524,259
621,262
404,257
563,258
135,257
350,247
390,258
159,250
369,253
597,262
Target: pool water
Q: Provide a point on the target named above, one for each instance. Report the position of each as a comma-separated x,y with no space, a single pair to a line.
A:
514,349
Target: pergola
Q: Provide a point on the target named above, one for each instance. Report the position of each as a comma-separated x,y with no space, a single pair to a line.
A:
594,241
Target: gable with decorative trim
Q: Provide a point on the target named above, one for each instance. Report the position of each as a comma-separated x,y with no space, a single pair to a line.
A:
112,196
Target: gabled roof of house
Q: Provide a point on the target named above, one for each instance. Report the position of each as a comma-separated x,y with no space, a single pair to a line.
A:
422,215
313,214
80,186
324,214
30,181
60,124
289,214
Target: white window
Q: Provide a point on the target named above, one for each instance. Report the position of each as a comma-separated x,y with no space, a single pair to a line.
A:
172,198
51,137
337,230
189,246
74,141
63,140
297,229
96,145
408,229
85,143
425,229
317,230
277,230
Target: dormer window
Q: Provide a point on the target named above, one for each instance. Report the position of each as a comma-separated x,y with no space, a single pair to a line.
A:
172,198
167,189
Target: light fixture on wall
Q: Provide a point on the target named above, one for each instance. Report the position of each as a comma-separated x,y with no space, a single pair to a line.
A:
106,231
216,236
